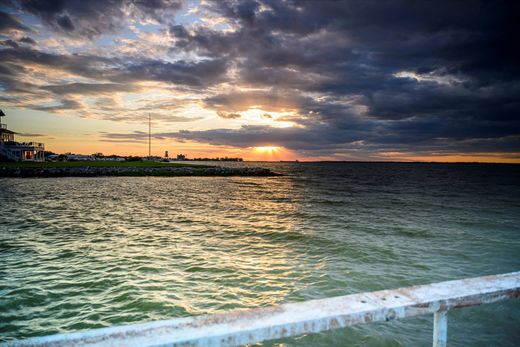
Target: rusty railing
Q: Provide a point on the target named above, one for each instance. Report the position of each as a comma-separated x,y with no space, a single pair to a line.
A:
250,326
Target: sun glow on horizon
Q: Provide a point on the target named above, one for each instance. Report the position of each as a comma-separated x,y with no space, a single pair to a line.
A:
266,149
269,153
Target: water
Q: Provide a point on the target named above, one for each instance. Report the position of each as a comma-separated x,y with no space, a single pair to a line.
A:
81,253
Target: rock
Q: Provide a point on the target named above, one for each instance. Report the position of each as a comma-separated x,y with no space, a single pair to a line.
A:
90,171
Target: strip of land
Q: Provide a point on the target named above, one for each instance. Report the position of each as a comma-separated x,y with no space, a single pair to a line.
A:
125,168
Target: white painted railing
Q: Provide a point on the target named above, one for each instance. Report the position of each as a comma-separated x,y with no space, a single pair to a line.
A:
262,324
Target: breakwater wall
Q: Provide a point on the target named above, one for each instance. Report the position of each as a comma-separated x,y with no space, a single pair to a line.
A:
131,171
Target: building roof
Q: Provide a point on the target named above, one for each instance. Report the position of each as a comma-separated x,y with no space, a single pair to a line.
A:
6,131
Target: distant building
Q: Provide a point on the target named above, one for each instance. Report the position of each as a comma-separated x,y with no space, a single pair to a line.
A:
18,151
111,158
166,154
181,157
79,157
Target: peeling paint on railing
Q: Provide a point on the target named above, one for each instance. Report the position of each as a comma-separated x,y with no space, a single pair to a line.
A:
256,325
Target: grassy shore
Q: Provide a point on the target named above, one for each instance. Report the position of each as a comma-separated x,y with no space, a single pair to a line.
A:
74,164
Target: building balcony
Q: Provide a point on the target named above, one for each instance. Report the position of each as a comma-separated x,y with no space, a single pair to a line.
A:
33,144
24,145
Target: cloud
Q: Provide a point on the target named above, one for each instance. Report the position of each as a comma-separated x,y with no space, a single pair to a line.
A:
9,43
90,66
89,88
93,18
228,115
136,116
9,22
205,72
202,73
112,75
64,105
350,75
249,136
65,23
31,135
268,100
28,40
325,139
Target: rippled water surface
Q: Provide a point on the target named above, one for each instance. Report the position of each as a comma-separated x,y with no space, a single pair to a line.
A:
79,253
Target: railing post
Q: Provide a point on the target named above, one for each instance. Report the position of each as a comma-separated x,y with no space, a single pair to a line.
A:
440,328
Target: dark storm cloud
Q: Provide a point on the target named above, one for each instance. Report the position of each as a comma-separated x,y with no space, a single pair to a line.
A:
65,23
82,65
292,137
28,40
157,9
95,17
122,70
352,75
202,73
9,22
244,137
9,43
324,140
419,71
114,74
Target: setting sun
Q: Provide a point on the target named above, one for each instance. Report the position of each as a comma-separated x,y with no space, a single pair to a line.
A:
266,149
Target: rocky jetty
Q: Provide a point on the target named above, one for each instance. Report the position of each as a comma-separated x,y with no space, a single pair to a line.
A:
91,171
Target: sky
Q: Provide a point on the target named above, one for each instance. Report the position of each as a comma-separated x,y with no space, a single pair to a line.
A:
265,79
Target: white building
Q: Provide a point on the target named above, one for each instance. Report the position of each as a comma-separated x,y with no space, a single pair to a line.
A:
18,151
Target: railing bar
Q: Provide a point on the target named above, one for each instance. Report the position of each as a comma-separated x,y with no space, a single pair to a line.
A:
261,324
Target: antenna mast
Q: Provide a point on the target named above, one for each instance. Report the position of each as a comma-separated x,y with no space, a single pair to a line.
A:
149,136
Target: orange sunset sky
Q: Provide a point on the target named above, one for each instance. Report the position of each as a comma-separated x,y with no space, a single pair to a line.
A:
267,81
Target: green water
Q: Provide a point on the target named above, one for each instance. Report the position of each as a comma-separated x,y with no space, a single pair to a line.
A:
81,253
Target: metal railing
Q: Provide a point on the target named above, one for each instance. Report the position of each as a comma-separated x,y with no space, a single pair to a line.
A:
250,326
32,144
28,144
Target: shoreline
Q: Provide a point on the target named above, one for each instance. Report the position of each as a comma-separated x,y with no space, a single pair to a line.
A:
93,171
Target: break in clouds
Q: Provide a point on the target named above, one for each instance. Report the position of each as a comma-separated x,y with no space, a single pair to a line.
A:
324,77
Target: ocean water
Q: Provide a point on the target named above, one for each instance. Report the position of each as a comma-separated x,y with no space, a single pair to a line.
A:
81,253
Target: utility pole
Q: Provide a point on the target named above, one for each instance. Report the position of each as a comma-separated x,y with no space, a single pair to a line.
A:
149,136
